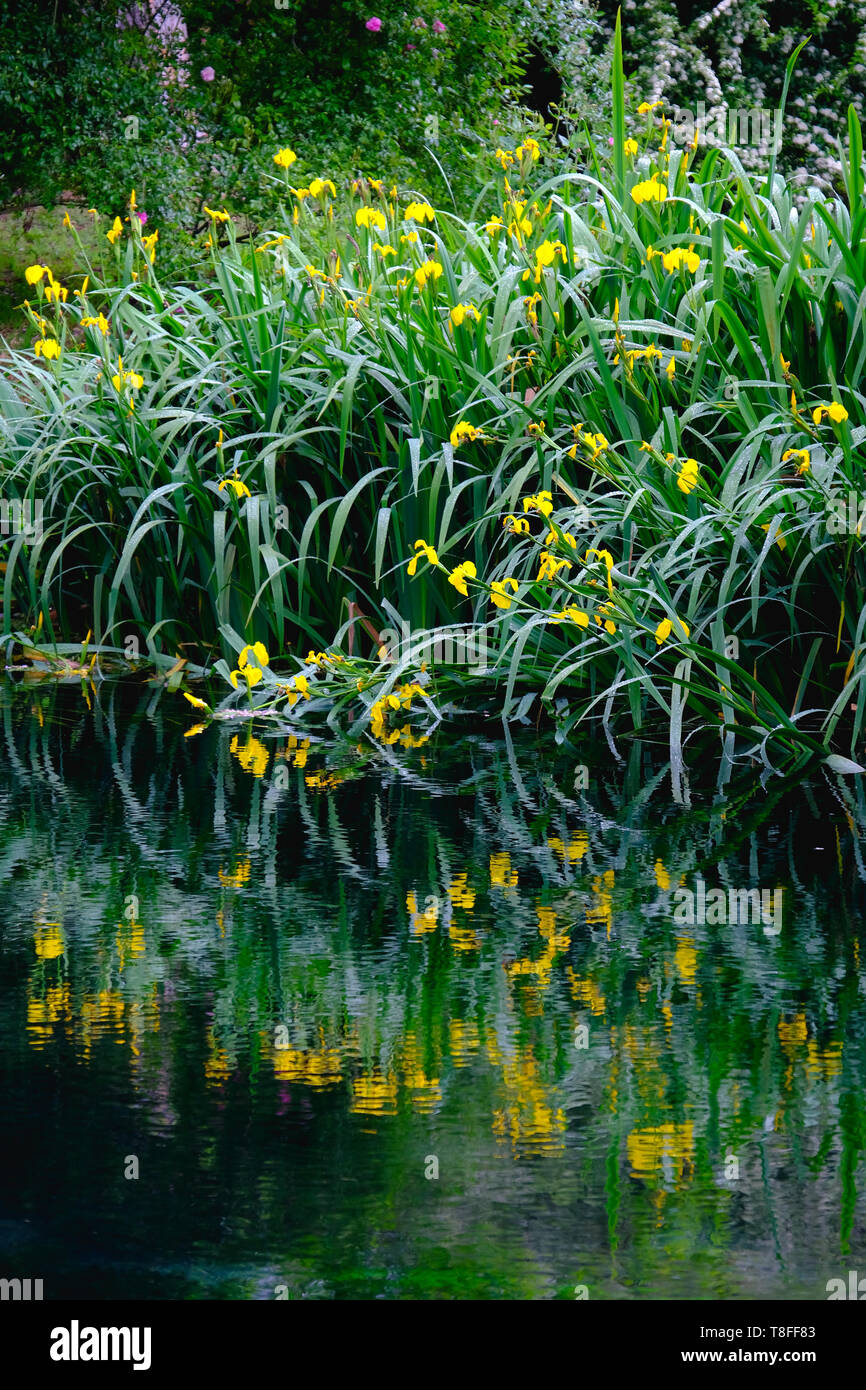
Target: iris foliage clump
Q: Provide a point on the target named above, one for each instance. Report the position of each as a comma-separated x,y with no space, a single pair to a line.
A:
610,420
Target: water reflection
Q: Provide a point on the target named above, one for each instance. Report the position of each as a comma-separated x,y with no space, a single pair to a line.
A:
287,975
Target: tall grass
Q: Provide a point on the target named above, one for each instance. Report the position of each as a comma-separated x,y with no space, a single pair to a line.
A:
326,375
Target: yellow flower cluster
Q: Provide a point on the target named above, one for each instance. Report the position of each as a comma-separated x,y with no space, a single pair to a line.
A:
419,212
499,592
320,186
595,443
422,549
570,614
239,488
464,432
251,671
429,271
401,700
51,289
666,627
687,479
541,502
101,322
298,689
520,225
550,567
370,217
650,190
677,258
463,311
122,378
802,455
545,255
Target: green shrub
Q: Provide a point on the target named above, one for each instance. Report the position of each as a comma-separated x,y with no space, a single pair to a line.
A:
87,101
69,75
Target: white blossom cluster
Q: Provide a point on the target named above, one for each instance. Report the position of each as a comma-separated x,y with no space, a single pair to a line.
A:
728,58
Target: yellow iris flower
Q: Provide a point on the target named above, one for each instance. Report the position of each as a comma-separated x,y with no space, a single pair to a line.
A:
419,212
464,431
370,217
460,574
499,592
425,550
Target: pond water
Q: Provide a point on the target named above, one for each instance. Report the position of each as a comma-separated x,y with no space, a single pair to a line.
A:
457,1020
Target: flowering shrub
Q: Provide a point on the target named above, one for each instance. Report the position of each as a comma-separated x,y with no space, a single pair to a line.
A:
732,55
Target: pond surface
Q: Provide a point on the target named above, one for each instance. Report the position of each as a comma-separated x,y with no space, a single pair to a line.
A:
423,1022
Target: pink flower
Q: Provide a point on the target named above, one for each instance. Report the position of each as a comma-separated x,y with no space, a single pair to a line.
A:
495,122
207,74
610,139
438,26
373,24
410,47
142,217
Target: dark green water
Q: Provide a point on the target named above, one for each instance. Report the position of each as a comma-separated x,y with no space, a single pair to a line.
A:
287,986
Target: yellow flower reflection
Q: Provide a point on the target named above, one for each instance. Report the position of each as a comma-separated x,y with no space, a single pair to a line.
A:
129,941
238,877
422,922
501,873
665,1150
572,852
463,1040
601,913
425,1092
253,755
318,1067
460,894
49,941
586,992
217,1067
45,1011
555,943
529,1118
686,959
374,1095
